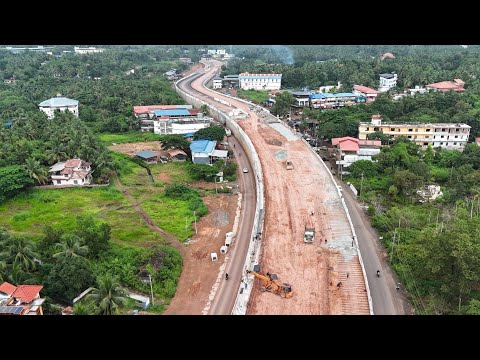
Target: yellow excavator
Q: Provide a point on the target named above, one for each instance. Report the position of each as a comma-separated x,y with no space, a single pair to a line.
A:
269,284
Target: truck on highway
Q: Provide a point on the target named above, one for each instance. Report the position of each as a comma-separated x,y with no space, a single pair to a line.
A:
309,235
289,165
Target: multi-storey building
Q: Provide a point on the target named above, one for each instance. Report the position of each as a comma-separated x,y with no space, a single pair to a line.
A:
331,101
146,116
350,150
179,121
57,104
365,92
260,81
387,81
452,136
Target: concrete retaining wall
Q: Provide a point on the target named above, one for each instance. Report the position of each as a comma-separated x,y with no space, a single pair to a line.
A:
253,254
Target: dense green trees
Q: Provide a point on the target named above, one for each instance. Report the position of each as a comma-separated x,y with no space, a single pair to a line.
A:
282,104
12,179
175,142
214,132
67,278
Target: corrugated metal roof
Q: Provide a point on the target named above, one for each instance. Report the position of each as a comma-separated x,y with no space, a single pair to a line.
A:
146,154
202,146
171,112
58,101
365,89
220,153
57,167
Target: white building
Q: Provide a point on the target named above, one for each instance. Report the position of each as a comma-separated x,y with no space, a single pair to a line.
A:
260,81
72,172
387,81
57,104
179,121
327,88
450,136
417,90
217,82
87,50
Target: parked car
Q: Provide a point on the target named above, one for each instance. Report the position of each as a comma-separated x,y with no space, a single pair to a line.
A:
245,170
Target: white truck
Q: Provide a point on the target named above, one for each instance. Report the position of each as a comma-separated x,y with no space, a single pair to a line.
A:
309,235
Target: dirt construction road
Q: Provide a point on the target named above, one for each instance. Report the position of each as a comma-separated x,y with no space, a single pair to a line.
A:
313,270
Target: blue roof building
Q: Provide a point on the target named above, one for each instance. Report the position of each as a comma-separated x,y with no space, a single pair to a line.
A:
202,150
172,112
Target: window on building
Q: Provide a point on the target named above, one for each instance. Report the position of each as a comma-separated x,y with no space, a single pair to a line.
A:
428,130
416,130
444,130
398,130
426,137
376,129
368,129
410,130
392,129
75,182
409,136
59,181
425,143
441,136
454,143
456,136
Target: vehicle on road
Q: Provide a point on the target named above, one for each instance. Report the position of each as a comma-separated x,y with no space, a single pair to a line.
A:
309,235
245,170
269,284
289,165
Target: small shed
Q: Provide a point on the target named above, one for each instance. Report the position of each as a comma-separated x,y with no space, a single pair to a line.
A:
148,156
143,301
177,155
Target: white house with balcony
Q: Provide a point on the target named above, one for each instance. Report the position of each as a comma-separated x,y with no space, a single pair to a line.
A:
387,82
74,172
260,81
57,104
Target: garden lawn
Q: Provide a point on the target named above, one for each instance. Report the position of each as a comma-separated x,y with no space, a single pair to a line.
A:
26,213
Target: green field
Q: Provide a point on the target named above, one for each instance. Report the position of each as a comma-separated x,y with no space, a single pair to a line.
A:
257,96
176,170
128,137
26,213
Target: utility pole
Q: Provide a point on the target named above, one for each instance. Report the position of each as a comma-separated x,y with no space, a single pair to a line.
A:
151,287
195,219
361,185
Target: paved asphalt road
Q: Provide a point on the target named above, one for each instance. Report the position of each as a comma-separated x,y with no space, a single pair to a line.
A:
226,294
385,298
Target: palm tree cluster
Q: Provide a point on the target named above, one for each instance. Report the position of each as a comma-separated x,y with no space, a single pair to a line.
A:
37,143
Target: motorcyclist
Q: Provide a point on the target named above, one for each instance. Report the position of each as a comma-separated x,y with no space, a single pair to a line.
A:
226,276
378,273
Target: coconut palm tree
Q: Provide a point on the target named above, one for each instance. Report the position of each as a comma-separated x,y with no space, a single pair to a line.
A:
57,152
36,171
71,246
108,297
84,308
19,251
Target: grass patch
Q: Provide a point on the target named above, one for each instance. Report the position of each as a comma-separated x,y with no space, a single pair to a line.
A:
256,96
129,172
128,137
28,212
178,171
